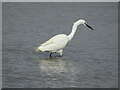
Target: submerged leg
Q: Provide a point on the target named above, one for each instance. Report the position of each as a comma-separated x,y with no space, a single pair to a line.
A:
60,52
50,55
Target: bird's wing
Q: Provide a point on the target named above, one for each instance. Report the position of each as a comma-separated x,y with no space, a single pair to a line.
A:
50,41
54,40
46,43
55,43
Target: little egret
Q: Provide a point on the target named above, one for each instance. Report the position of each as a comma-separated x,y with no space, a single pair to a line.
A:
57,43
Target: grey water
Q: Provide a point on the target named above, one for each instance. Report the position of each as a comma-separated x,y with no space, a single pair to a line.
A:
90,60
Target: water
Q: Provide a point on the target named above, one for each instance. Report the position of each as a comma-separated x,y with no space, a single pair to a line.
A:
89,61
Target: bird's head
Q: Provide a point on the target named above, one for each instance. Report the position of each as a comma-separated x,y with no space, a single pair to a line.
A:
83,22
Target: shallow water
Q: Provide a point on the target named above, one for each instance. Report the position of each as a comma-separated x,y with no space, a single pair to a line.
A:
90,60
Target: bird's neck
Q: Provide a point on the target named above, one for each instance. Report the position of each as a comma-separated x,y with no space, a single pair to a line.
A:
74,28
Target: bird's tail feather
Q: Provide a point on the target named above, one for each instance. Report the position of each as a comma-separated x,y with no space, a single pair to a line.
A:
37,49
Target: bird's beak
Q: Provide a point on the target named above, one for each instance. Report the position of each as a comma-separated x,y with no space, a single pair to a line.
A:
88,26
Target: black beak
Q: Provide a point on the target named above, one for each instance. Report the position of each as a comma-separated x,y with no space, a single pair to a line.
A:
88,26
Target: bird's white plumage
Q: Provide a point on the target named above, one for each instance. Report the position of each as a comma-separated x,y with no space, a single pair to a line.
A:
58,42
55,43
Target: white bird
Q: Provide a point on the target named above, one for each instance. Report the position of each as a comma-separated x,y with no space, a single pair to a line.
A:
57,43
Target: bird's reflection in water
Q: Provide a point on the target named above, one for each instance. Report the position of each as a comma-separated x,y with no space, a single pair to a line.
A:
53,65
57,69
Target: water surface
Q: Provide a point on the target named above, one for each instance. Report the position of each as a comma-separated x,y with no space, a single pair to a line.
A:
89,61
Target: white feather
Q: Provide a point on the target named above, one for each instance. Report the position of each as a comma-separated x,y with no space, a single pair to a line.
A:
55,43
58,42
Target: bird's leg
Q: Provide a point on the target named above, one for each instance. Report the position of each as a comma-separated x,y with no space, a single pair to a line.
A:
60,52
50,55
